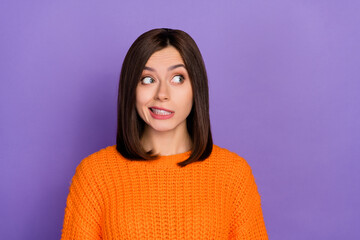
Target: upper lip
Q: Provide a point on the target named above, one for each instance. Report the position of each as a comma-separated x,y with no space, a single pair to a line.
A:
162,109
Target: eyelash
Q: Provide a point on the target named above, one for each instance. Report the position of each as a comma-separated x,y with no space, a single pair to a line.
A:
182,78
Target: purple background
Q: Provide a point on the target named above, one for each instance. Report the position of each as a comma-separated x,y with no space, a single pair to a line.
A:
284,89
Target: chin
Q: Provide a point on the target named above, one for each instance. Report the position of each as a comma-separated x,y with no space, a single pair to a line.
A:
163,128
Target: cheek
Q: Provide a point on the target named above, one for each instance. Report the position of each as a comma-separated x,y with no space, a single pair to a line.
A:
190,97
144,96
140,101
186,100
190,102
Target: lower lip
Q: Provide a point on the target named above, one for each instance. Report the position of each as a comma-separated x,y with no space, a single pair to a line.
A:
162,117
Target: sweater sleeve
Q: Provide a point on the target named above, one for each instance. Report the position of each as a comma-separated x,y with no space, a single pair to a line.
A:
247,221
82,218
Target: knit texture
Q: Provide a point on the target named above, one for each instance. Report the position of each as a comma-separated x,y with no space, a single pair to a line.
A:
115,198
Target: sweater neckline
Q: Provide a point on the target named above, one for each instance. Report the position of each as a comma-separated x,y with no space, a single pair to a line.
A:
170,160
177,156
165,161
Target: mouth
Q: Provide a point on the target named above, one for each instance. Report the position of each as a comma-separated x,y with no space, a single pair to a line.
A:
160,111
160,114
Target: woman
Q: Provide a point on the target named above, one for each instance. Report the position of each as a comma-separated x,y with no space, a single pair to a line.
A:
164,178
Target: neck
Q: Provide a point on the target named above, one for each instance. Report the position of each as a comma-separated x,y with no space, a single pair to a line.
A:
167,142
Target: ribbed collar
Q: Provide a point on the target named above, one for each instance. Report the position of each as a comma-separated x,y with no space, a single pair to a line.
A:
169,161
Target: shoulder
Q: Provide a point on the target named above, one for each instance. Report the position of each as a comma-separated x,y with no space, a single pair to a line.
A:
224,157
103,157
235,168
105,153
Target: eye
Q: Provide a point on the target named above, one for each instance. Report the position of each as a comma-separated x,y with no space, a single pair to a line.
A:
178,79
147,80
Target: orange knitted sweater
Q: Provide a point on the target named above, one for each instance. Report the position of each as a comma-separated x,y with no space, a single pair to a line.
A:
114,198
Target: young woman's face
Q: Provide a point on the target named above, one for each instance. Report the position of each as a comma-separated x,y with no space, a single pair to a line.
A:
164,94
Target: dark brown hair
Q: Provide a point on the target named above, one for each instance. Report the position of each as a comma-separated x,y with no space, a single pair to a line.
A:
131,126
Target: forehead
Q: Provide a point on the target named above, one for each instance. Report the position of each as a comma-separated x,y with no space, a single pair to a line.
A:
166,56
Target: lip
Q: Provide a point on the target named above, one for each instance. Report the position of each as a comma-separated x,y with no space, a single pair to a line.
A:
161,117
162,109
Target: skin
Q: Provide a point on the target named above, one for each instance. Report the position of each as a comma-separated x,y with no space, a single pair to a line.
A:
165,83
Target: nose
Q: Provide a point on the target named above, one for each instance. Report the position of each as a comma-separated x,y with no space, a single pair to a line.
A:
162,93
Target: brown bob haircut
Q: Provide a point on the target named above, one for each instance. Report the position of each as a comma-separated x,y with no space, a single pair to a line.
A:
130,126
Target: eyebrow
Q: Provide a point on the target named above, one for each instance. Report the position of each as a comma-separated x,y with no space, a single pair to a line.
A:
169,68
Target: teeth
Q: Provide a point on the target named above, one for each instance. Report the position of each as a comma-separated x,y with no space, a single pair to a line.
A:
160,112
